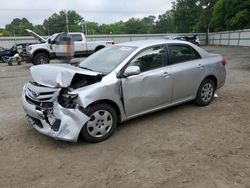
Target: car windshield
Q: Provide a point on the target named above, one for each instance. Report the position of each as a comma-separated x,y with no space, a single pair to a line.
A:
52,37
107,59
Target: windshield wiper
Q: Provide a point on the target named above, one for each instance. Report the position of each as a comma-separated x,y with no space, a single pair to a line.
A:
100,73
87,68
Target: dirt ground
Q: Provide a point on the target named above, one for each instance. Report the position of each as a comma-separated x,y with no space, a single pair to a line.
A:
184,146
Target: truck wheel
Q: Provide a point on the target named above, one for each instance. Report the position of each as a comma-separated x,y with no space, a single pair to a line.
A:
41,58
99,48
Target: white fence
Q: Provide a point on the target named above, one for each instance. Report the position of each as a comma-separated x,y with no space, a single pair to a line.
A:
230,38
7,42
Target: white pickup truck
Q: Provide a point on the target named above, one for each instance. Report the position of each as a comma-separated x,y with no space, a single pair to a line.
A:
49,48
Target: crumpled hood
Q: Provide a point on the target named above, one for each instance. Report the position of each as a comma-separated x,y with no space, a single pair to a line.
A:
57,75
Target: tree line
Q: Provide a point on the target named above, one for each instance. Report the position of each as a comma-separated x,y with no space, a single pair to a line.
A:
184,17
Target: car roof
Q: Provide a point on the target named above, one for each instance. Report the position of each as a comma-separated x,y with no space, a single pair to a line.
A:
141,44
150,42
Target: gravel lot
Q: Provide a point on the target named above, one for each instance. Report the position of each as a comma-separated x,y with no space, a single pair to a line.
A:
184,146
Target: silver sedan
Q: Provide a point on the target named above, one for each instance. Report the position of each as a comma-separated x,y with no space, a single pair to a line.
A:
118,83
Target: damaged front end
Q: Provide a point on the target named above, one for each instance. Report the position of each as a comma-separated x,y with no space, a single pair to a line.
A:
48,116
54,111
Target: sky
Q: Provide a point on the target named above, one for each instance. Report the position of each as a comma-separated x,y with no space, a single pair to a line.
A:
100,11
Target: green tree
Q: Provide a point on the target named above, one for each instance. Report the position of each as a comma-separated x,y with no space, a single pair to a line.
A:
4,32
92,28
39,29
118,28
57,22
206,9
186,14
115,28
136,26
18,26
165,23
231,15
149,23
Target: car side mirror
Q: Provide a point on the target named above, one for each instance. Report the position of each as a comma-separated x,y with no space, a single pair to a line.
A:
51,41
132,70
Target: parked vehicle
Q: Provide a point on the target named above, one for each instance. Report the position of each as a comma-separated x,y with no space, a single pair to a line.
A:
118,83
193,39
175,38
20,49
7,52
50,48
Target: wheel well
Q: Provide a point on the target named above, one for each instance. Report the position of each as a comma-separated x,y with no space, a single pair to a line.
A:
213,78
111,103
41,51
99,47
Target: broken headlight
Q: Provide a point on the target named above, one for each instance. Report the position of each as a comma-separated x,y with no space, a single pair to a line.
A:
67,99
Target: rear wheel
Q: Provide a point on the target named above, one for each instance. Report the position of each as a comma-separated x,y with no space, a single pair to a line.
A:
102,123
99,48
205,92
41,58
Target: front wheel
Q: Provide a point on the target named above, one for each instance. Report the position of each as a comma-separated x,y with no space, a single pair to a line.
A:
41,58
205,92
102,123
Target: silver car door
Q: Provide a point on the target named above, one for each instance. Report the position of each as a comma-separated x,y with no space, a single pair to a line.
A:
152,87
187,70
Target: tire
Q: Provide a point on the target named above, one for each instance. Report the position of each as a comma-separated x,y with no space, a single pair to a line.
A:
99,127
205,92
99,48
41,58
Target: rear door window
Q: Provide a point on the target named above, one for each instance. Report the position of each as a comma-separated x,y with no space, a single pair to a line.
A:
76,37
180,53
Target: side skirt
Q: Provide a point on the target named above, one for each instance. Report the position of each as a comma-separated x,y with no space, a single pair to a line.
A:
157,109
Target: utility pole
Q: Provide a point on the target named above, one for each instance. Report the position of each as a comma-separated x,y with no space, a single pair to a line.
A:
67,21
207,36
82,26
14,35
85,26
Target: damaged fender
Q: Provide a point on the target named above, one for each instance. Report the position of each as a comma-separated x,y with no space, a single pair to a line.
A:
109,89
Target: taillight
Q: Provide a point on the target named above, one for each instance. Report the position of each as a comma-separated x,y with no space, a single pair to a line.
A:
223,62
110,42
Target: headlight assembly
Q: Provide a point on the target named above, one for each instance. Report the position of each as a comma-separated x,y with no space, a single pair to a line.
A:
66,99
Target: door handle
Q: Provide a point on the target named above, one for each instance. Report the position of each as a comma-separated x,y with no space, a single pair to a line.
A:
166,74
200,66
